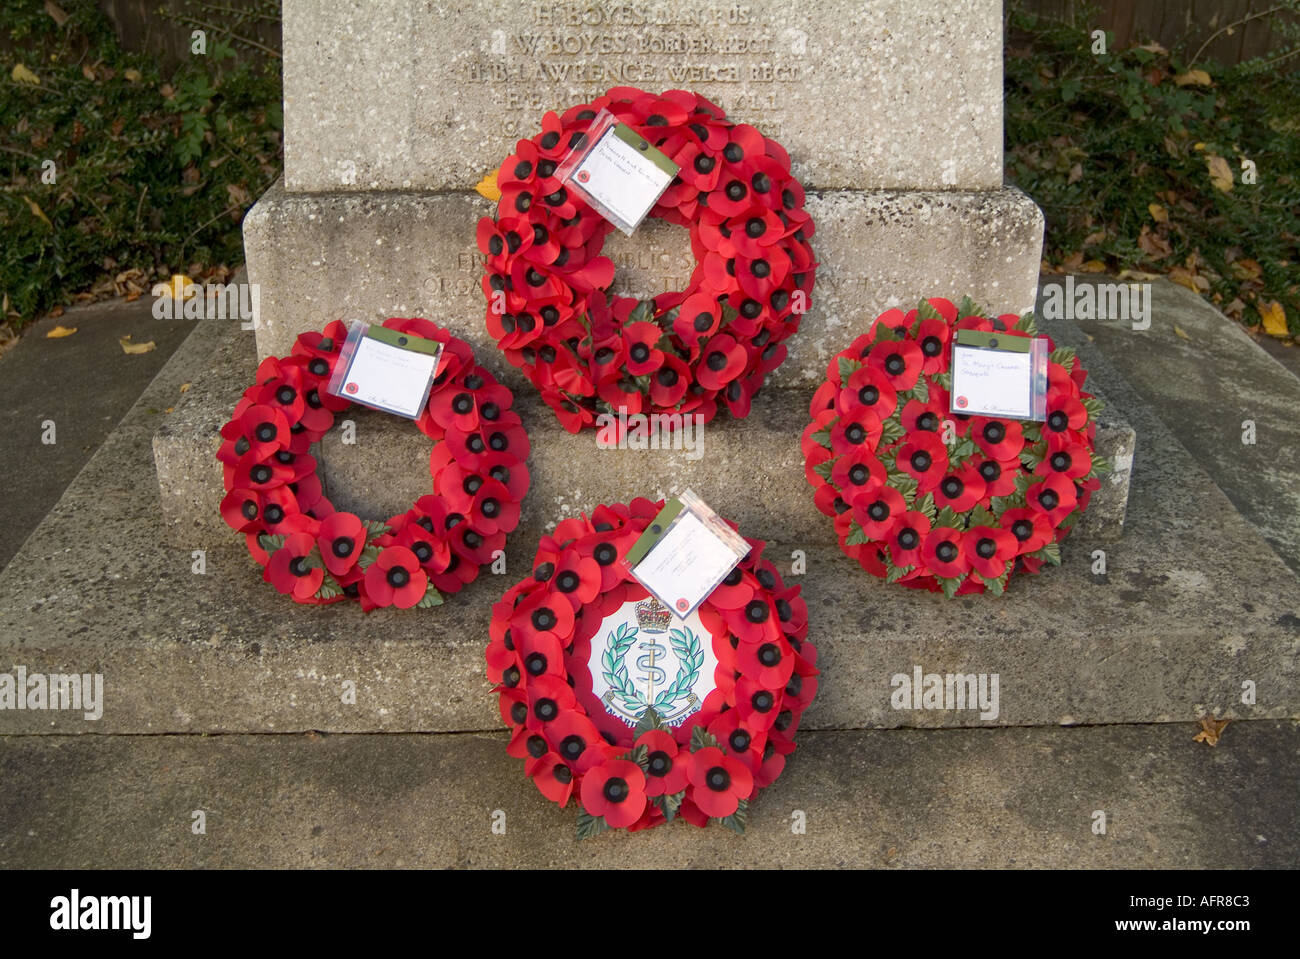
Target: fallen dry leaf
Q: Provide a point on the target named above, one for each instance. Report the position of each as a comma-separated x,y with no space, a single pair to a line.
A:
1184,277
1152,244
36,210
133,348
1093,266
1181,333
488,187
1247,269
185,387
1220,173
1210,730
132,74
1274,317
58,332
1154,48
22,75
1197,78
1158,213
56,11
1076,173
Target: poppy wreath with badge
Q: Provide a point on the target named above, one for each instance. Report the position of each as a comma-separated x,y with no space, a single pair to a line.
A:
316,554
939,500
640,716
682,352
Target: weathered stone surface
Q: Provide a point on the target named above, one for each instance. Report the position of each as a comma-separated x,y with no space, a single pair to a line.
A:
1192,604
1231,404
753,465
1020,798
409,95
371,256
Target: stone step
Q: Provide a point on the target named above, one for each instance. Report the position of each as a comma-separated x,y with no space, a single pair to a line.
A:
1191,607
753,465
1020,798
321,257
1230,403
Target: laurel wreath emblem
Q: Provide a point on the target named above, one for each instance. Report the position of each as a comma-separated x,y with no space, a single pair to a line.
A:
689,652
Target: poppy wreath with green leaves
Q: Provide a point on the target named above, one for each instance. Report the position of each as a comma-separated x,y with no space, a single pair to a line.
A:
316,554
710,764
939,500
689,351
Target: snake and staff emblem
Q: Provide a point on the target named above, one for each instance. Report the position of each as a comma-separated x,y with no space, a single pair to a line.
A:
656,650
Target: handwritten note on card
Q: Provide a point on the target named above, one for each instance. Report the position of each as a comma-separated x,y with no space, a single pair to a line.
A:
991,382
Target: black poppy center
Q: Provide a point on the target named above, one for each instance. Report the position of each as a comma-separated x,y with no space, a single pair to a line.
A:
543,618
946,551
986,548
572,747
756,611
535,663
908,538
994,432
343,547
640,352
718,779
921,461
928,421
879,510
990,470
1058,421
859,474
869,395
952,487
895,364
769,654
1049,499
659,763
567,582
931,346
1061,461
605,554
616,786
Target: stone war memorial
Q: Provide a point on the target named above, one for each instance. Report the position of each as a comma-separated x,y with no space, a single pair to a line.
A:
423,141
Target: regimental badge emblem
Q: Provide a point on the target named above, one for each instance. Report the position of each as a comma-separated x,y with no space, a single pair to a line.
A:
645,657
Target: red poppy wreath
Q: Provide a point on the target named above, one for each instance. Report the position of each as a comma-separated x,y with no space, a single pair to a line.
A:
640,715
316,554
940,500
681,352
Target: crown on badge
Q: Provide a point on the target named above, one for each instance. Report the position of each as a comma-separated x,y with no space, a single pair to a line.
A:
653,616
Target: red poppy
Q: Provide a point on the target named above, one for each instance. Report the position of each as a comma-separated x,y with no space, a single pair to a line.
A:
869,387
1072,461
990,549
721,361
554,779
1055,496
999,476
543,612
856,473
933,336
616,791
943,552
396,579
769,663
960,490
294,568
923,457
1031,528
667,771
999,439
856,429
901,361
341,539
718,782
575,738
878,510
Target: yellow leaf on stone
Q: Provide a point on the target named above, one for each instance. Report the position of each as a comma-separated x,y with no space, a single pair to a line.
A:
36,210
1181,333
1220,173
1210,730
488,187
58,332
185,387
1158,213
22,75
1197,78
1274,317
133,348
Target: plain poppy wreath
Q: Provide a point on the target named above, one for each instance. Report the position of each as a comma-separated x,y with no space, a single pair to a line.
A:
572,656
680,352
940,500
316,554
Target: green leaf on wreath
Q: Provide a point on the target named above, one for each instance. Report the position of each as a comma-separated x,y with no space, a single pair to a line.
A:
430,598
1093,406
921,391
905,485
949,584
736,821
885,334
943,379
823,435
947,517
979,516
898,572
701,738
1000,504
1050,554
968,307
1100,465
925,311
824,469
329,588
669,805
1063,355
1032,432
891,431
639,755
270,543
647,721
960,450
856,536
1025,480
376,527
847,368
369,554
643,312
1031,456
926,505
998,586
1027,324
589,825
